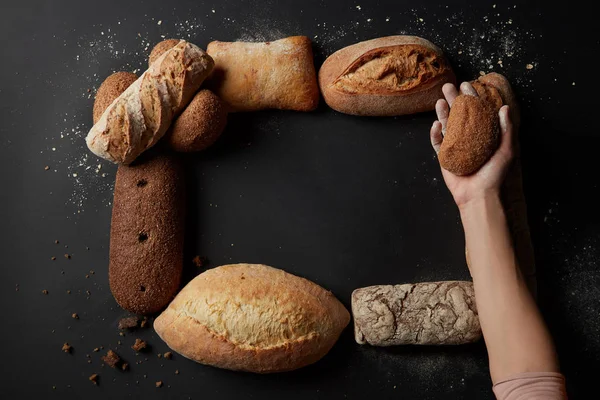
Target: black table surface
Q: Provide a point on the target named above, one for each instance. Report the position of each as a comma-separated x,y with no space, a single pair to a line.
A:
344,201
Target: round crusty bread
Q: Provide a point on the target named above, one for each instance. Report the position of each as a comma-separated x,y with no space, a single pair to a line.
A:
160,48
146,235
251,317
472,135
199,125
109,90
418,97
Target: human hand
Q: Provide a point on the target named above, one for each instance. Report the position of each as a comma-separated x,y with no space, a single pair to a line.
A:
487,181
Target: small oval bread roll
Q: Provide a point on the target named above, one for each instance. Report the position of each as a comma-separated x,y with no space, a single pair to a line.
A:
472,135
110,89
146,234
160,48
254,318
199,125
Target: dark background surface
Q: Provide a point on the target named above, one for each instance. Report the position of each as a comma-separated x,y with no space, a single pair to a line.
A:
344,201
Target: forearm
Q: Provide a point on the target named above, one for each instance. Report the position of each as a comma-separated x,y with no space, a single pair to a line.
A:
515,335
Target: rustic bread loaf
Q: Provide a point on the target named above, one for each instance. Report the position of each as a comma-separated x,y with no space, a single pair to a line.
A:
199,125
472,135
252,318
160,49
109,90
512,194
141,115
257,76
416,313
146,236
388,76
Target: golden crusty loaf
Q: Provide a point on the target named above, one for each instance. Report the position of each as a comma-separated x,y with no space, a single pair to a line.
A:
416,313
109,90
141,115
513,196
146,235
160,49
257,76
199,125
387,76
472,135
254,318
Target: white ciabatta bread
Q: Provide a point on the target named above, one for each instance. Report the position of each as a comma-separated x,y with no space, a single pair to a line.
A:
387,76
257,76
254,318
141,115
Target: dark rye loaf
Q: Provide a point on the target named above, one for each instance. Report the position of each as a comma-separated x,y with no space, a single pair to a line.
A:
146,238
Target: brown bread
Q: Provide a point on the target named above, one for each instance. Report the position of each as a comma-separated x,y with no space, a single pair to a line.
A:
109,90
160,49
199,125
387,76
472,135
254,318
416,313
146,236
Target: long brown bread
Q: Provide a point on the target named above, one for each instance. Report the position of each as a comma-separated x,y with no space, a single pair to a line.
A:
513,196
416,313
387,76
146,237
254,318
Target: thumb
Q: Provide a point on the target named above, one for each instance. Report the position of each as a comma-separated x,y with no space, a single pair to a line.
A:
506,131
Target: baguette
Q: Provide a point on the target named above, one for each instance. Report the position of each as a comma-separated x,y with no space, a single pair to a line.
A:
109,90
141,115
252,318
258,76
416,313
388,76
146,235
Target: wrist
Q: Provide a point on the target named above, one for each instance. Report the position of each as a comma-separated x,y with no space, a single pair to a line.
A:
485,200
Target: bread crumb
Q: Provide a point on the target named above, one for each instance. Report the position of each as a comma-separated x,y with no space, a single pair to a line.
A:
159,355
139,345
159,384
121,333
67,348
358,8
67,256
159,22
56,241
176,372
53,258
573,83
168,355
529,66
125,366
94,378
128,323
46,168
45,291
96,350
68,292
199,261
144,322
111,359
74,316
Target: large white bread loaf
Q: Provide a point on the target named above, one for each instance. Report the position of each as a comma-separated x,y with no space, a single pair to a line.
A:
141,115
254,318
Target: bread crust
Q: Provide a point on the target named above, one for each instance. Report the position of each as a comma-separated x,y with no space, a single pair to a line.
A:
110,89
251,317
439,313
146,236
141,115
417,98
257,76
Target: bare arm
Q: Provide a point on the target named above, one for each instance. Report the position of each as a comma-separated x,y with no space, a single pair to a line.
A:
515,335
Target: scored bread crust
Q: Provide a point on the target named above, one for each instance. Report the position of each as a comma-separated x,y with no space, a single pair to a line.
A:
257,76
418,99
254,318
141,115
